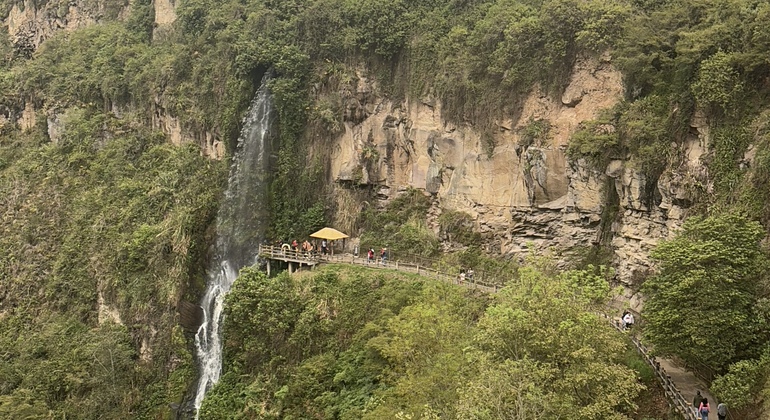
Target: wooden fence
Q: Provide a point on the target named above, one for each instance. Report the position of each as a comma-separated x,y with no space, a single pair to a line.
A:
416,268
675,399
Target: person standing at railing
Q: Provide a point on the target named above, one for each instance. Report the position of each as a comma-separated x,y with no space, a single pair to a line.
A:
370,256
324,247
384,256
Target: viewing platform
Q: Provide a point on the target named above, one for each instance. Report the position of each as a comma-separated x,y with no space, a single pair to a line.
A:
295,259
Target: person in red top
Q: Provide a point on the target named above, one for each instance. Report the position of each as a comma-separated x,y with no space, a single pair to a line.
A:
370,256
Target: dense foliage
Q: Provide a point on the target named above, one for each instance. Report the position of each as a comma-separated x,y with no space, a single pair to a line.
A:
401,227
112,212
477,58
703,304
353,343
101,235
708,304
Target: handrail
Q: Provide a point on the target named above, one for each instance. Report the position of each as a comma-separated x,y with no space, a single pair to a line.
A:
274,251
488,277
315,257
674,397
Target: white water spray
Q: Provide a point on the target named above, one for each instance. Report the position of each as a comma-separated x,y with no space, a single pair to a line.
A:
240,226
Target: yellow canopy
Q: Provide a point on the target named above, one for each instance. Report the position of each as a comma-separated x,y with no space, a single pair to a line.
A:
329,234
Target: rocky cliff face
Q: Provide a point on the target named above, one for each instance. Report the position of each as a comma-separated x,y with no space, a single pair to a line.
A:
29,23
522,194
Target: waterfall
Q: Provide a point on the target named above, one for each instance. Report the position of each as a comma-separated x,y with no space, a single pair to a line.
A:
241,222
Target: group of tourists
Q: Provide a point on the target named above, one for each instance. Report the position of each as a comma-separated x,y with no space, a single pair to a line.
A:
701,405
383,259
306,248
466,276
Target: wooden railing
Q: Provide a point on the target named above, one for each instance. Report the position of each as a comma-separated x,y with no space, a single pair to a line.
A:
675,399
289,254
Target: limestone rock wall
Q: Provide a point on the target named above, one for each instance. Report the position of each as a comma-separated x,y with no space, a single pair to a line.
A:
521,196
29,24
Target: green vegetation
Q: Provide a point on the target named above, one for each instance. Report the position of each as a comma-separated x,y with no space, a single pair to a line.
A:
679,57
353,343
401,227
536,132
458,227
111,215
708,306
745,385
476,58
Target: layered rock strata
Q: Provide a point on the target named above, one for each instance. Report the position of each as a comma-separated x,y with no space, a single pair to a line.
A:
522,196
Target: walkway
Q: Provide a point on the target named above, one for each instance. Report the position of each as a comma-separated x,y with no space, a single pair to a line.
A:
679,385
310,259
687,383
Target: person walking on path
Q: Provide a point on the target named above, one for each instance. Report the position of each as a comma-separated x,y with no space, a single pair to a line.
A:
704,409
628,321
697,399
722,411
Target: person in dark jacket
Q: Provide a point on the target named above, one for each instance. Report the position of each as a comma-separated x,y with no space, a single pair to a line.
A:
697,399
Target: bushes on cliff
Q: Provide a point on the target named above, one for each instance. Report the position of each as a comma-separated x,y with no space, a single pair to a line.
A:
108,224
355,343
703,305
401,227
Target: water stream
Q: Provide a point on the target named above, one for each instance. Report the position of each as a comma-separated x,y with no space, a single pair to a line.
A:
241,221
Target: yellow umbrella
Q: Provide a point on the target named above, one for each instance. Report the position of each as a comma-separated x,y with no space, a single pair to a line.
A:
329,234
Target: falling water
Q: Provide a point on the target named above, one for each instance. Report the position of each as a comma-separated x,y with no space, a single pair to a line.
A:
240,226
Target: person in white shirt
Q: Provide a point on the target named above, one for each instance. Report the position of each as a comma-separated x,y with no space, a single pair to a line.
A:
628,320
722,411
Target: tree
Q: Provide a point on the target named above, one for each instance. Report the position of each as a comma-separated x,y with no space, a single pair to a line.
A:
261,314
543,332
701,303
744,382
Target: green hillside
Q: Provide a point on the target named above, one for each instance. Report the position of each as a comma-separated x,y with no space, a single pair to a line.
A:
111,221
357,343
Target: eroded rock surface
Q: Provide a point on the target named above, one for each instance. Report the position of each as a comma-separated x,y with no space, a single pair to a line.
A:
523,197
